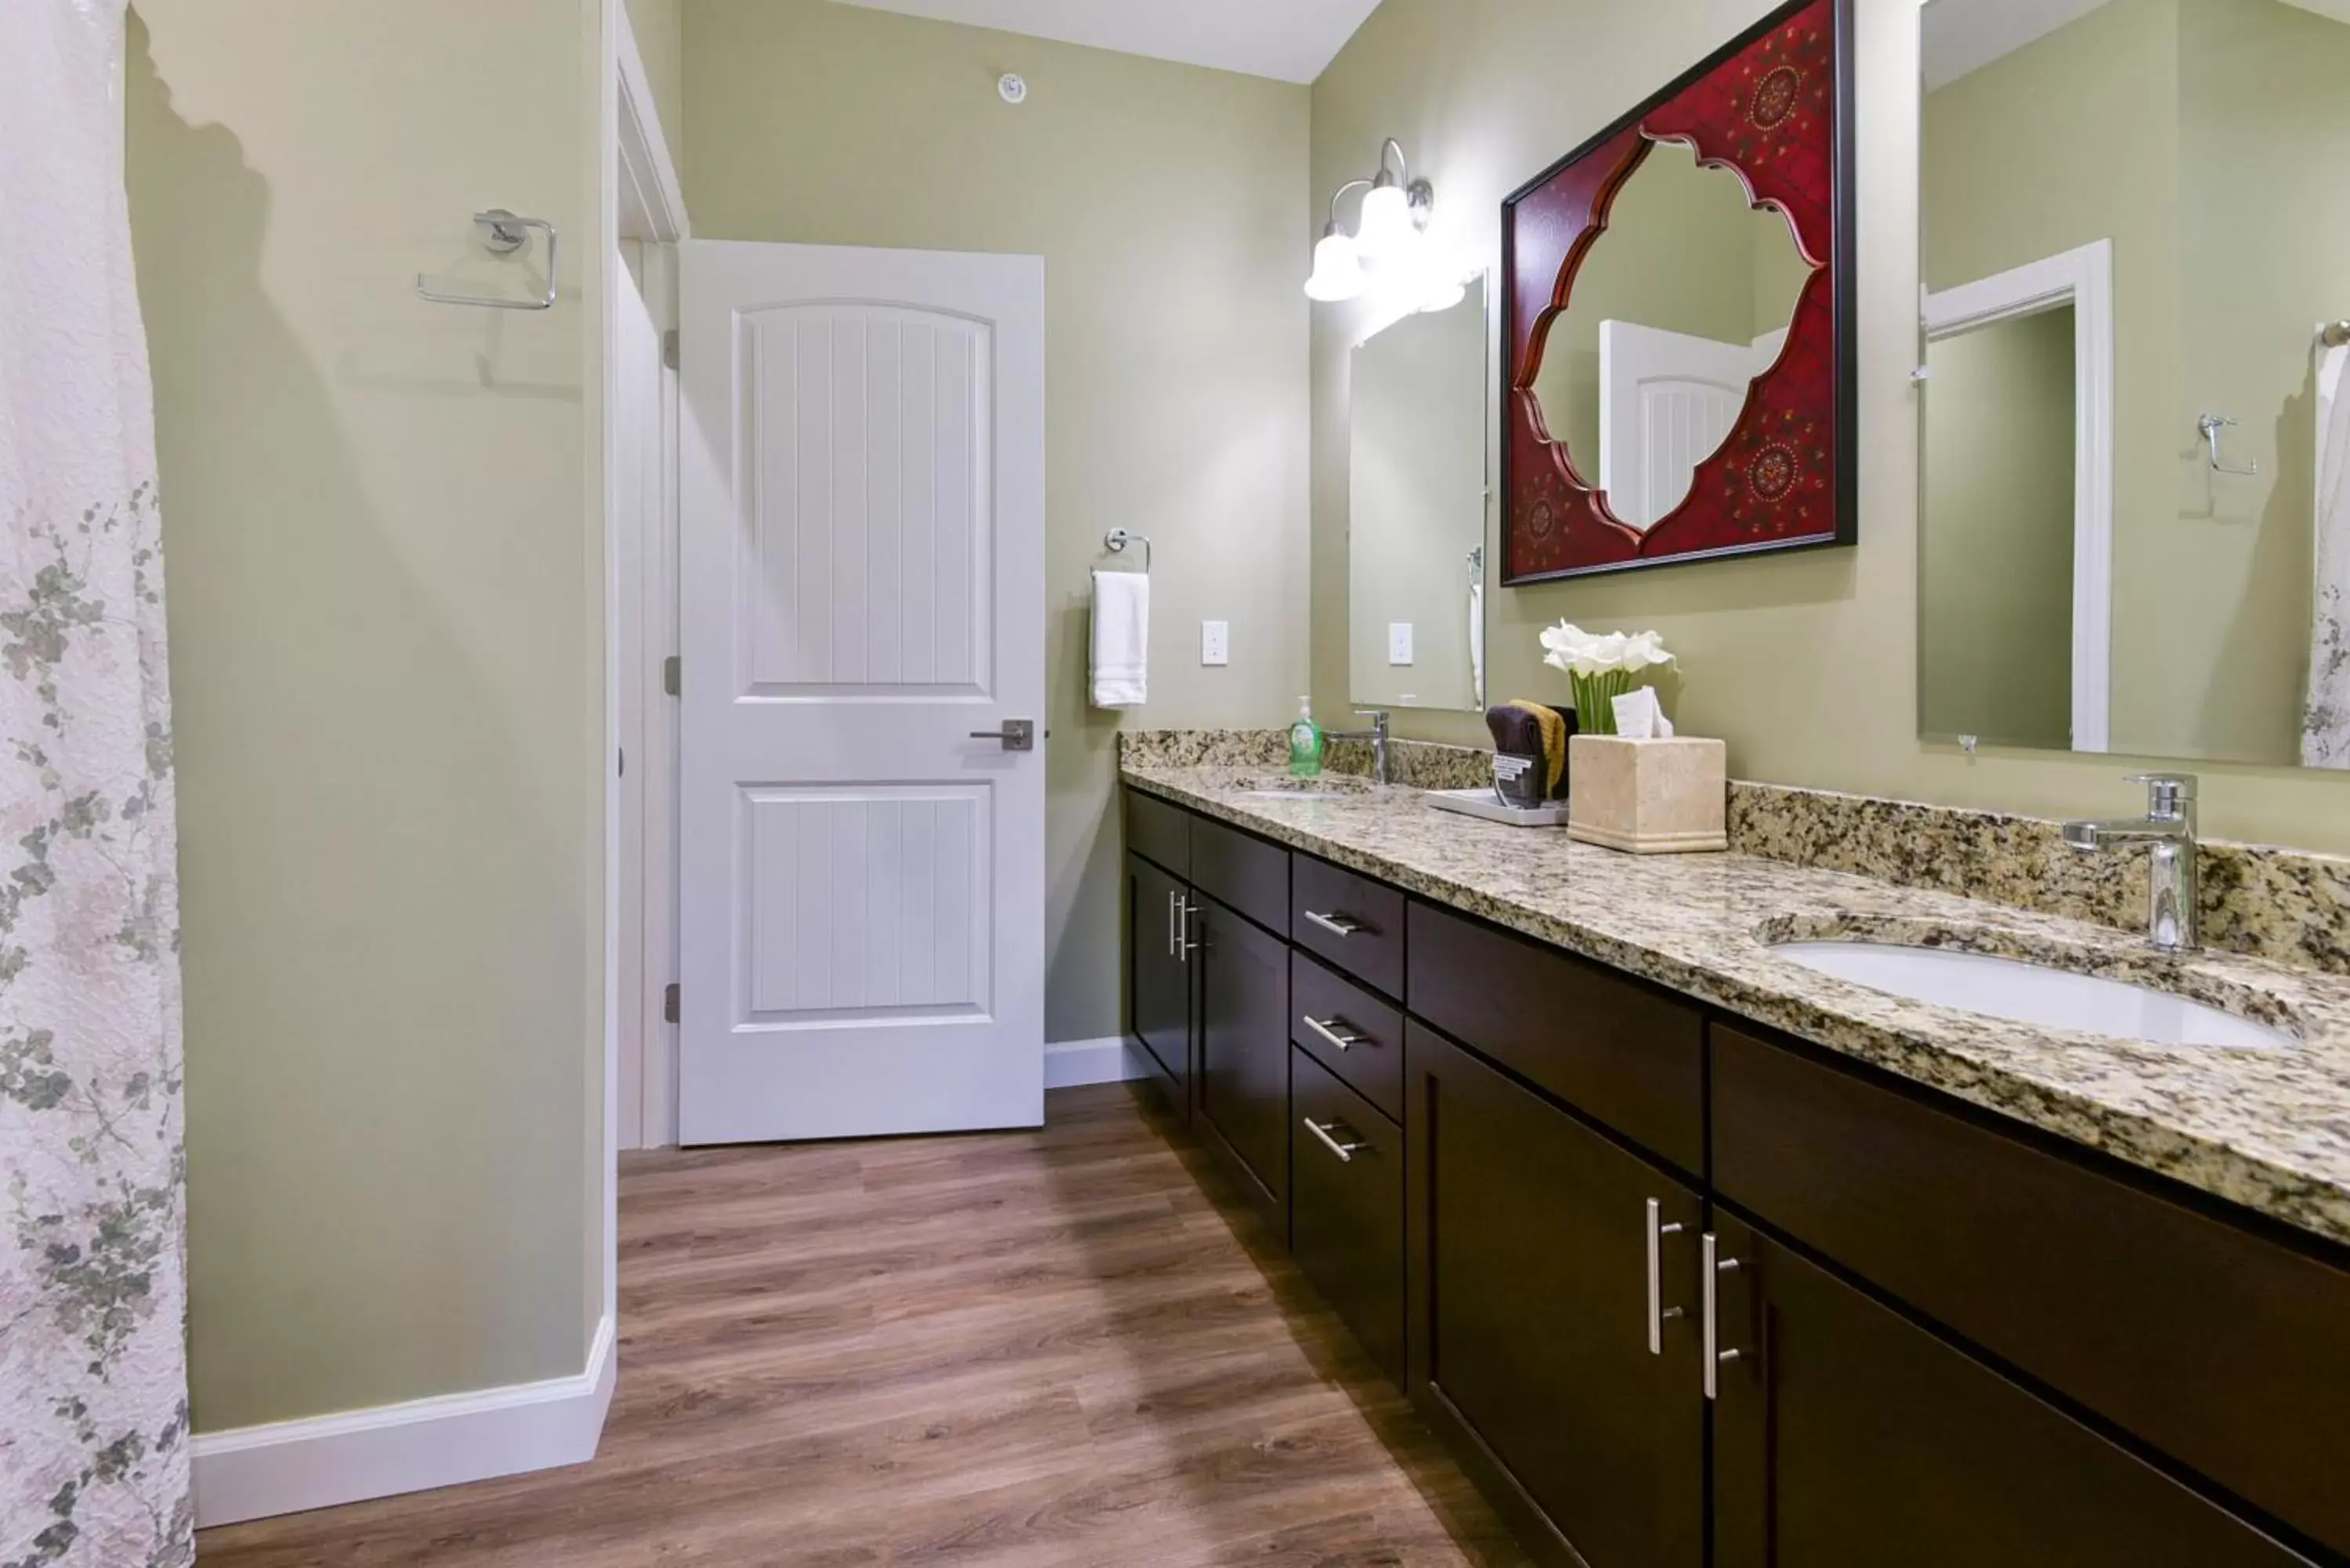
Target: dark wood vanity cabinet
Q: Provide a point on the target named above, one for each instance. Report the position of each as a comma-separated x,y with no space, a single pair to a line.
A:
1943,1339
1845,1434
1159,976
1244,1083
1345,1207
1542,1345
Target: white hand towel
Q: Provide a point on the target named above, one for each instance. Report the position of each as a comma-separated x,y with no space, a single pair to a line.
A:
1121,645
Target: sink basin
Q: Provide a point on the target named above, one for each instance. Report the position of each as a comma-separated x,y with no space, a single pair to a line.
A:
2034,993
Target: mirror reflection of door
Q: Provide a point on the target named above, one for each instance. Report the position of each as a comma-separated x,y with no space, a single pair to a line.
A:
1996,568
2202,143
1682,301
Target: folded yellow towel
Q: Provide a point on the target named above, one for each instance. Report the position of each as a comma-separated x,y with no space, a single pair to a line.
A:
1553,742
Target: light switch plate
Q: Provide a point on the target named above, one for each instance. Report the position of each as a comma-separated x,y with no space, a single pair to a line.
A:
1398,642
1215,642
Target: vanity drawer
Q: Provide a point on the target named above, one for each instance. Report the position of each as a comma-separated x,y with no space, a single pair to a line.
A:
1159,832
1244,873
1371,1060
1353,922
1345,1207
2226,1350
1623,1055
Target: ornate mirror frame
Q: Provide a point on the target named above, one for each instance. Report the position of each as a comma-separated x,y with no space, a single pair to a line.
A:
1774,107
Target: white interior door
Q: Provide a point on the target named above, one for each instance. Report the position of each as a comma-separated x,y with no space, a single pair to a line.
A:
861,590
1666,402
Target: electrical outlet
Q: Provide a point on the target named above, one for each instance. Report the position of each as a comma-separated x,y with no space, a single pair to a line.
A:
1398,642
1215,642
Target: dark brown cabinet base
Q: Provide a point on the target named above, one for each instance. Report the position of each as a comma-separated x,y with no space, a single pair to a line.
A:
1845,1435
1911,1301
1244,1086
1530,1311
1345,1207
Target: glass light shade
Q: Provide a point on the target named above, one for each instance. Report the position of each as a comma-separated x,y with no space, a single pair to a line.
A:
1337,269
1387,231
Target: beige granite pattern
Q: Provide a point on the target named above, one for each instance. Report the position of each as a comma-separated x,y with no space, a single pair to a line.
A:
2285,904
2280,904
2269,1130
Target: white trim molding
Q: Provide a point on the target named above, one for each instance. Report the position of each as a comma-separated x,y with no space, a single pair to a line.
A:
2083,280
290,1466
652,200
1070,1064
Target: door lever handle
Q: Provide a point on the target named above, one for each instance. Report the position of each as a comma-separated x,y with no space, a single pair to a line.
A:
1017,734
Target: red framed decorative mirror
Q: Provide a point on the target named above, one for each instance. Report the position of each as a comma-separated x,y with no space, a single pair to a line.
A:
1678,321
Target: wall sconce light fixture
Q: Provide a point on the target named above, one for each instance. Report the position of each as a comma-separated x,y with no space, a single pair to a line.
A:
1390,249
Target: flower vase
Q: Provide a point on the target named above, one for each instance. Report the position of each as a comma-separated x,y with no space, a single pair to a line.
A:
1595,699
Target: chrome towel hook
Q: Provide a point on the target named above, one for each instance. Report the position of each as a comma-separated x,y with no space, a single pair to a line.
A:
503,234
2213,426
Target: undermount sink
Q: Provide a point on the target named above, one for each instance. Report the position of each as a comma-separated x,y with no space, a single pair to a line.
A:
2034,993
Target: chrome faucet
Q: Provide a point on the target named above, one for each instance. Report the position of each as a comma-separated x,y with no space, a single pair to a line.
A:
2168,825
1376,735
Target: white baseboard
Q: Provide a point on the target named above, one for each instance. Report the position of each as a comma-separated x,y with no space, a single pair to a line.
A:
1072,1062
289,1467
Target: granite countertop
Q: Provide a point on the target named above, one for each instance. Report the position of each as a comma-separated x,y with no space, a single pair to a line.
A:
2266,1130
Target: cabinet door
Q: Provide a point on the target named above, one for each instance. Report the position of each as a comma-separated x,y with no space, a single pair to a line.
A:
1536,1342
1345,1207
1243,1083
1845,1434
1159,975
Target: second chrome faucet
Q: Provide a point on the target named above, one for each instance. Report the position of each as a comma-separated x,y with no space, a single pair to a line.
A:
2168,826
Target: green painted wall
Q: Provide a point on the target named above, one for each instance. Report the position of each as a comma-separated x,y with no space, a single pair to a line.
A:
383,523
1806,663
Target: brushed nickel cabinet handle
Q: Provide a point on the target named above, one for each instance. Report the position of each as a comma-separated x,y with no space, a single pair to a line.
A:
1336,1031
1173,941
1337,925
1183,927
1346,1151
1658,1311
1716,1357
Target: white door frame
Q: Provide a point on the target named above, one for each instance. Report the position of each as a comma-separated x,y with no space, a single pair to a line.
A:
2083,279
642,202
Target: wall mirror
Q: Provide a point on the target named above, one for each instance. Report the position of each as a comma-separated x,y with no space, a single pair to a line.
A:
1416,510
2134,523
1678,327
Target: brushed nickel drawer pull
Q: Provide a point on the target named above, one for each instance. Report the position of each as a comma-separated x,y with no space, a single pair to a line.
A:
1658,1311
1346,1151
1715,1356
1336,1031
1173,941
1337,925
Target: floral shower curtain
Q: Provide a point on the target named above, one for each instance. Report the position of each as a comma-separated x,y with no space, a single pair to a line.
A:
93,1383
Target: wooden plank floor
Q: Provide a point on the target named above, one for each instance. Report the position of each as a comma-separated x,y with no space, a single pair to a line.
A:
1033,1350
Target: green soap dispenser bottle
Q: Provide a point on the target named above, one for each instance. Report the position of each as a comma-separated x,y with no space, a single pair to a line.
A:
1305,743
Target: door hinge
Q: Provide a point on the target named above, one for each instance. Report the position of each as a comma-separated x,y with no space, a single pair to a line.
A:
669,347
672,674
669,1003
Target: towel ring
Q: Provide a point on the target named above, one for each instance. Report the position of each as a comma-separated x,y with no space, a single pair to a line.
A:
1118,539
503,234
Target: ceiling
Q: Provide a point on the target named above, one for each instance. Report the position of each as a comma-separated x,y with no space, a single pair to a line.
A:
1290,41
1964,35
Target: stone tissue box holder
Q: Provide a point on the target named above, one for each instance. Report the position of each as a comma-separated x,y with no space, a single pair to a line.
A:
1668,796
